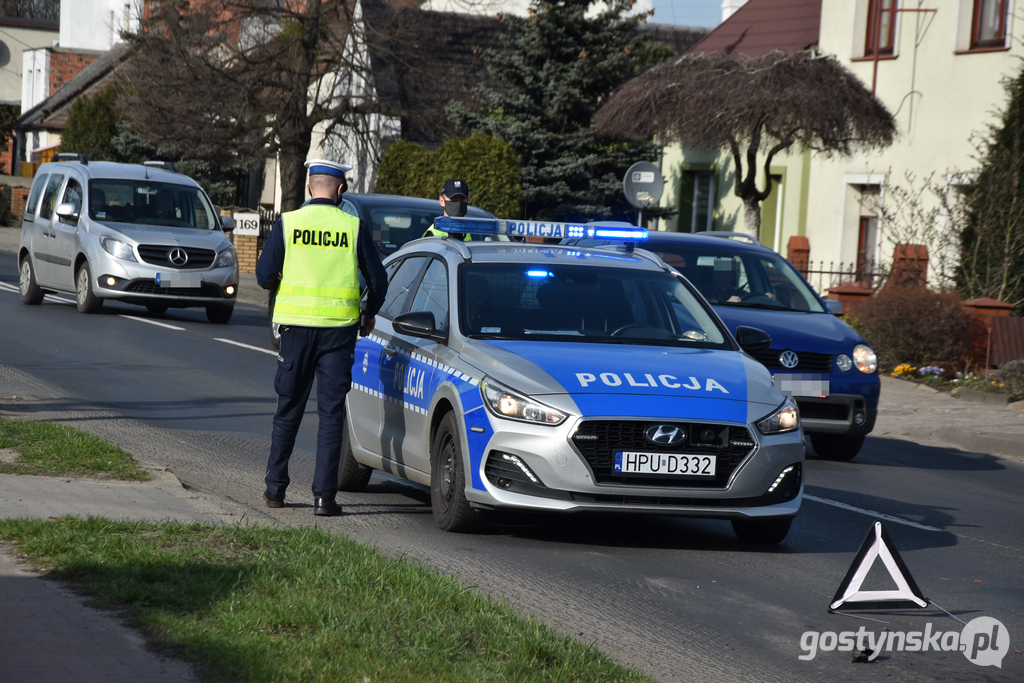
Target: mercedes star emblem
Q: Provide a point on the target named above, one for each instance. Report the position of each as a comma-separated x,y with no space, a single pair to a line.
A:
665,435
177,257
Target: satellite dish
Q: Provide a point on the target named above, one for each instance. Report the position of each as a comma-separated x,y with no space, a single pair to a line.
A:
643,185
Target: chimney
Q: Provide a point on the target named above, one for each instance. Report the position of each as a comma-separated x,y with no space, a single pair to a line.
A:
729,7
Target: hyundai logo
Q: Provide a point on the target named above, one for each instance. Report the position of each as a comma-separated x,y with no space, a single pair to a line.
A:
178,257
789,359
665,435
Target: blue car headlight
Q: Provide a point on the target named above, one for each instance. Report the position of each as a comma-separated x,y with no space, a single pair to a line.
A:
511,405
786,418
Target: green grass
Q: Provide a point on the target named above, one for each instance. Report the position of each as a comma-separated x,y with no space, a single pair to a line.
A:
54,450
268,604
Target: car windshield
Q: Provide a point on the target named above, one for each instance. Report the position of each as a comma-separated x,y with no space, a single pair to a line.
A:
147,202
543,301
740,278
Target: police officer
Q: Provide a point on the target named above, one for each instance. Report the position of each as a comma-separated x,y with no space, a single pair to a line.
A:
312,256
454,200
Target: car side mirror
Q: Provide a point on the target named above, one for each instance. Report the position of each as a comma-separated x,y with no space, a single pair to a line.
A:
835,307
67,212
417,324
752,339
227,223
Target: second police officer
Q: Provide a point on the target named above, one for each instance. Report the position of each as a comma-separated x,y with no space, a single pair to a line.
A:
313,257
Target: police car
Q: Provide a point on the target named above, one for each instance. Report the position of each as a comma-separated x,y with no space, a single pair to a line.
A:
553,378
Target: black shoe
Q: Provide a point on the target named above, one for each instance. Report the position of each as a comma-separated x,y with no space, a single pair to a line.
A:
273,500
326,507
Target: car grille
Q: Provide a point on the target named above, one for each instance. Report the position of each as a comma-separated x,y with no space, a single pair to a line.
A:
732,445
808,362
159,255
207,291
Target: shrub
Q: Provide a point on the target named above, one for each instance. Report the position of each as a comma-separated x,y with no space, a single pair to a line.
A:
908,324
407,169
1011,376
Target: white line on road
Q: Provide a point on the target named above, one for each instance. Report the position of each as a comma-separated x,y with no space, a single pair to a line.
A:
871,513
61,299
153,322
9,287
246,346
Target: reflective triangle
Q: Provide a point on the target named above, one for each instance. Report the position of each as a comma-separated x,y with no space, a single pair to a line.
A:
877,544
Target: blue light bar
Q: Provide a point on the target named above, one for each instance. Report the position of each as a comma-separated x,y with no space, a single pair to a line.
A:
538,273
494,226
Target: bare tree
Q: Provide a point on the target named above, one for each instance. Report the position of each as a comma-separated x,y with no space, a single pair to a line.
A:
247,79
752,107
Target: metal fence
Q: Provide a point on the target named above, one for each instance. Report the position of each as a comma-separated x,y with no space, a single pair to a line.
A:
267,219
825,275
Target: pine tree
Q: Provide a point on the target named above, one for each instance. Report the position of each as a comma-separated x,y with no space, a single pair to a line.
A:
557,67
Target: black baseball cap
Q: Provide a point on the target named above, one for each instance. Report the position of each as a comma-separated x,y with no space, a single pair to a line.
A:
455,186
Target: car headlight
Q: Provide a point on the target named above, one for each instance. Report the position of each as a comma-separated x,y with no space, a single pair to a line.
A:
226,258
786,418
865,358
117,248
511,405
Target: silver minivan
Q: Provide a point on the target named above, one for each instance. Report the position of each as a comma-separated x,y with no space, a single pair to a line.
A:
138,233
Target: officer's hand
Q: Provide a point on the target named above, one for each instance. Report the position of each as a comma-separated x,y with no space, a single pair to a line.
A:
370,324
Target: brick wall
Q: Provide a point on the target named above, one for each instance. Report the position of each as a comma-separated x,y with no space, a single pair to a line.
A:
66,65
19,195
6,158
245,247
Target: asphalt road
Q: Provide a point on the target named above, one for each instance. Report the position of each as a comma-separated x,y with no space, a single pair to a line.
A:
679,599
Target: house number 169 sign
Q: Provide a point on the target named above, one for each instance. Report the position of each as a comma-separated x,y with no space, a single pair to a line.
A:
247,223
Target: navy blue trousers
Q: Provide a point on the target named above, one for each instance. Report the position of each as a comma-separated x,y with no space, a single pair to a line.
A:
325,353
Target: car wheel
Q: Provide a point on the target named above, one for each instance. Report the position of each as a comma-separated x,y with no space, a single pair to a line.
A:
452,511
219,314
156,309
29,289
85,297
275,329
352,476
768,531
836,446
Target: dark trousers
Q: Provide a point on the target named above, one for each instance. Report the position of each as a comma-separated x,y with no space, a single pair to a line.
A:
307,352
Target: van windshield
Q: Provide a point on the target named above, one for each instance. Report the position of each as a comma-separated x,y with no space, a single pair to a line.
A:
145,202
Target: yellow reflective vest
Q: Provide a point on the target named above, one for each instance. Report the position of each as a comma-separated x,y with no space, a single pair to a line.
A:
320,277
434,232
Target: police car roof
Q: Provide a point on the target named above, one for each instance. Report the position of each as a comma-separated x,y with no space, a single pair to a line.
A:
518,252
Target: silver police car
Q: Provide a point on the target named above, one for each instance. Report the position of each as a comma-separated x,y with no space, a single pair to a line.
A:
139,233
545,377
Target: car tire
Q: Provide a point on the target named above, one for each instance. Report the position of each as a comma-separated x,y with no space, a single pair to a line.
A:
275,329
219,315
31,294
156,309
836,446
85,296
352,476
769,530
452,511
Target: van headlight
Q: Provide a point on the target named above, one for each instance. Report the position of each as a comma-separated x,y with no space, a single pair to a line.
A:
226,258
865,359
511,405
786,418
117,248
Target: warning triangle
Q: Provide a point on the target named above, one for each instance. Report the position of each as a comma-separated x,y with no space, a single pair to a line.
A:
877,544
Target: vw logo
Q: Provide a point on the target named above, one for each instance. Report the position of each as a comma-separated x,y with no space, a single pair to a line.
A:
665,435
789,359
178,256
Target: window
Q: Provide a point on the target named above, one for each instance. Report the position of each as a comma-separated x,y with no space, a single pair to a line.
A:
881,27
988,28
400,285
73,195
33,196
697,210
50,196
432,295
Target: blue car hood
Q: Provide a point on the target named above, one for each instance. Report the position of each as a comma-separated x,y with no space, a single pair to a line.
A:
813,332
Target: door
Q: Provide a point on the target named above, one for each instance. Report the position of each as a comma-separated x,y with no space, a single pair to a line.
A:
65,234
44,245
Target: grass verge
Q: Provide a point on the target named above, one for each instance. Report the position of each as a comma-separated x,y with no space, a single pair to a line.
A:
54,450
261,604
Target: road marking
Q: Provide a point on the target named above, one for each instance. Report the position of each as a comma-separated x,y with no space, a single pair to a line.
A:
246,346
8,287
153,322
872,513
54,297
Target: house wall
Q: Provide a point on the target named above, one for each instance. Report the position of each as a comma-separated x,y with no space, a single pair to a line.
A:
941,94
96,24
728,213
14,41
66,65
492,7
